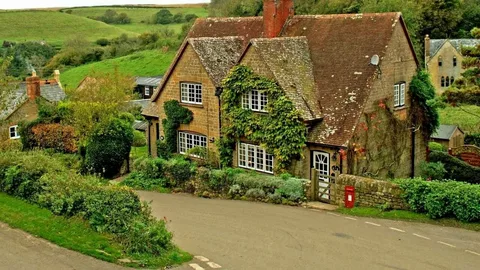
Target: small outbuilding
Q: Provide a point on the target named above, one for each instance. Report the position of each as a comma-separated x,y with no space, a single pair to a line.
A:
449,136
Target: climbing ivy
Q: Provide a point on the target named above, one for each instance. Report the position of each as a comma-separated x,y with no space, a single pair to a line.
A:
424,110
280,131
176,115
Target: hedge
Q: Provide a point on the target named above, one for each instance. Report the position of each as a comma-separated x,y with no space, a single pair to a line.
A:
466,96
473,139
456,169
443,199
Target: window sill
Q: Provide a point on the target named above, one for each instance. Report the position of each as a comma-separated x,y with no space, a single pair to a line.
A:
191,105
400,108
14,138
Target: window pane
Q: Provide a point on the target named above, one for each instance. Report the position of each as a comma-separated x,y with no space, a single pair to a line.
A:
255,100
269,163
254,157
402,94
396,98
263,100
251,157
241,155
260,154
245,101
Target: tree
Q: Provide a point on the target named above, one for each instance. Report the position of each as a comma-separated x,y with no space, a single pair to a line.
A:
440,18
190,17
6,84
100,97
164,16
178,18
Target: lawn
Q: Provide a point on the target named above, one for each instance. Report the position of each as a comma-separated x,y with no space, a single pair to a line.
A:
144,63
53,27
459,116
141,14
407,216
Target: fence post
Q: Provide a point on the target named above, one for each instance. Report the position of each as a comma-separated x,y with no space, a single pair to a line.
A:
314,185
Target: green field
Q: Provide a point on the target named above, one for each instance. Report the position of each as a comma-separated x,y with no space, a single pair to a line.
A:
53,27
139,14
144,63
462,117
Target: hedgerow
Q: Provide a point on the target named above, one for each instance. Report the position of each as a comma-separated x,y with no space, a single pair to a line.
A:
456,169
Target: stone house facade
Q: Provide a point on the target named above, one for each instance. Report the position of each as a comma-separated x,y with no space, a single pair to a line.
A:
443,60
349,85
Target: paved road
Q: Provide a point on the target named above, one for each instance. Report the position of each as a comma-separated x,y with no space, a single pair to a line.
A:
246,235
19,250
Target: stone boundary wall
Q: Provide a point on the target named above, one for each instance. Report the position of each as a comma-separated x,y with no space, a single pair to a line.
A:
369,192
468,153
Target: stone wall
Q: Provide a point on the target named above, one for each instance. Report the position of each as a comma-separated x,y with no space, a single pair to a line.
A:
369,192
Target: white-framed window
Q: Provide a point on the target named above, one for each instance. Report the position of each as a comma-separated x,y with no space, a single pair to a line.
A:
187,141
13,132
399,94
255,100
147,90
255,158
191,93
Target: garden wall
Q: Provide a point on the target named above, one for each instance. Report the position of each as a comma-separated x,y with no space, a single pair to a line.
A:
369,192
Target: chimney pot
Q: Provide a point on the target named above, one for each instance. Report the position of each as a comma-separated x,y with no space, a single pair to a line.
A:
33,87
275,14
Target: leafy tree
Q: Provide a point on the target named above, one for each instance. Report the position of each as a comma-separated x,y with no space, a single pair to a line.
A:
97,100
190,17
6,85
112,17
164,16
236,8
178,18
440,18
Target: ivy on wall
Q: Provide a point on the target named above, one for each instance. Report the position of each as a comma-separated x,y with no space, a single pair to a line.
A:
280,131
175,115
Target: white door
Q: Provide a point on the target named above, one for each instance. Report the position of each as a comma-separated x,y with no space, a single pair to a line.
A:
321,162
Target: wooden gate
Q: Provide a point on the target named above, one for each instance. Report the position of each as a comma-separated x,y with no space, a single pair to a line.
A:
323,187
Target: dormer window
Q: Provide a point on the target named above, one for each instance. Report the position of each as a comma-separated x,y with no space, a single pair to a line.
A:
399,94
191,93
255,100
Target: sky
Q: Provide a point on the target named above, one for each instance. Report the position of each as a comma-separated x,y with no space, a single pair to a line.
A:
22,4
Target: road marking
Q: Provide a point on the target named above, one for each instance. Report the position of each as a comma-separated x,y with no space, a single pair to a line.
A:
472,252
201,258
421,236
446,244
351,218
395,229
374,224
333,214
214,265
196,266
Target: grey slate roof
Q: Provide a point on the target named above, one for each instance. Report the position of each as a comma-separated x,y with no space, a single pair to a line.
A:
50,92
436,44
444,132
149,81
218,55
140,102
140,125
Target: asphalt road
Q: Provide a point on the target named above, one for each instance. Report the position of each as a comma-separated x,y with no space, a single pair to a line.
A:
246,235
19,250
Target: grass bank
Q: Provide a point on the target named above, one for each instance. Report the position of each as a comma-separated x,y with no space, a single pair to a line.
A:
407,216
76,234
466,117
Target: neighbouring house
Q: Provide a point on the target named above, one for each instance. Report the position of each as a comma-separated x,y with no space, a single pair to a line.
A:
146,86
443,60
22,105
449,136
348,75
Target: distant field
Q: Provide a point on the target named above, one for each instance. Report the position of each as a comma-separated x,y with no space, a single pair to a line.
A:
145,63
456,116
53,26
139,14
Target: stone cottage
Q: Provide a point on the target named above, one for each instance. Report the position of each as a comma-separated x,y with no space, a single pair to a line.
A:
443,60
348,76
22,105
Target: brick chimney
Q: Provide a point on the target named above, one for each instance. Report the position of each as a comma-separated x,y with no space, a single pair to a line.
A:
427,50
275,15
33,86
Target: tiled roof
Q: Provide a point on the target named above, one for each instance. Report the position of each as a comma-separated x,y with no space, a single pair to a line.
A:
218,55
151,110
289,60
140,125
436,44
149,81
140,102
444,132
50,92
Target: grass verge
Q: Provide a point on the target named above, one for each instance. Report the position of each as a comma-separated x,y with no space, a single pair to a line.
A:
407,216
76,234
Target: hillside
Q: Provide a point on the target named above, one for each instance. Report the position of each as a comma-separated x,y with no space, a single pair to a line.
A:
52,26
144,63
466,117
140,15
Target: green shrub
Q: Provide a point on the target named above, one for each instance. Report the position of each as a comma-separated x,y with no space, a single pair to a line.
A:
138,180
235,190
473,139
466,202
179,170
153,168
274,198
456,169
434,146
432,170
163,150
415,193
255,193
292,190
464,96
139,139
219,180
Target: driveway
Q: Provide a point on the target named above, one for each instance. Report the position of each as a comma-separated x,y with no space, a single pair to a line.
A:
246,235
19,250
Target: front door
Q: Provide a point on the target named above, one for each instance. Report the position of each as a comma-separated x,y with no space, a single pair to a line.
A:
321,162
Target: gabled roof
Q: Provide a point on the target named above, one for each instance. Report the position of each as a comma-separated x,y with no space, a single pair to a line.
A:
289,60
437,44
148,81
140,125
218,55
445,132
50,92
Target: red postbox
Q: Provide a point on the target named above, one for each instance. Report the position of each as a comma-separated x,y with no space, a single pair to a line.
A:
349,196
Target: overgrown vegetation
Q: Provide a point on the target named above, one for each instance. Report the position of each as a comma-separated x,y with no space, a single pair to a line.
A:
455,168
175,115
282,119
112,17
